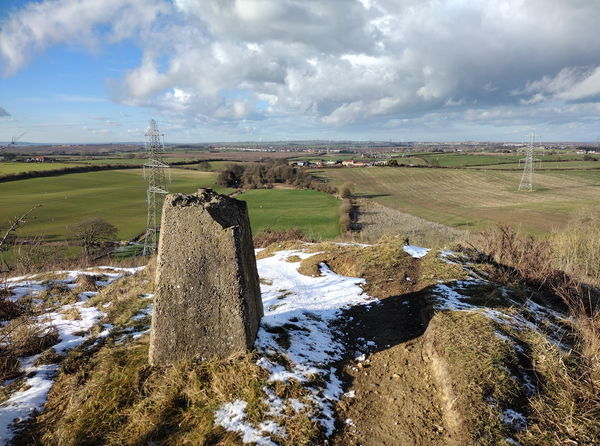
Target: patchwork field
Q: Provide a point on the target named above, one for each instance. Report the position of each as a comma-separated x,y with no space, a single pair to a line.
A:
475,199
119,197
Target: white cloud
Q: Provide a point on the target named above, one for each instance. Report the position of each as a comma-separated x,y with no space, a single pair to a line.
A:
42,24
321,63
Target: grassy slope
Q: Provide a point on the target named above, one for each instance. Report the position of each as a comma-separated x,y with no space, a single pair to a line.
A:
475,199
117,196
316,213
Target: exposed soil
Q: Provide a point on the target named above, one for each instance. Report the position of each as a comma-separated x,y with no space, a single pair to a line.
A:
397,396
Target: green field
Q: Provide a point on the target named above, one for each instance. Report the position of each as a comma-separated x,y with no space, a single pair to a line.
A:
18,167
118,196
475,199
316,213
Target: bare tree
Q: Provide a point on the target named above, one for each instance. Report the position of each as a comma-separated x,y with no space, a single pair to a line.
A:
93,232
15,224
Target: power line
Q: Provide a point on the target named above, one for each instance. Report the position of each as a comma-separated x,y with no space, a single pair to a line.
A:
156,171
526,183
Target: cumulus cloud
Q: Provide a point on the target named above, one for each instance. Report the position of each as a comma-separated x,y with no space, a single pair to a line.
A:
39,25
335,62
4,113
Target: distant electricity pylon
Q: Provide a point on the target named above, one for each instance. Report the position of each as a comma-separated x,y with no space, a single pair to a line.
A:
527,178
157,172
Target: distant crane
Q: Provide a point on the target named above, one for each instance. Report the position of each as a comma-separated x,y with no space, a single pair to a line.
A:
12,142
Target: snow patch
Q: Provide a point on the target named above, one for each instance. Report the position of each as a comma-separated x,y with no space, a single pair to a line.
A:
514,419
232,416
300,328
415,251
71,334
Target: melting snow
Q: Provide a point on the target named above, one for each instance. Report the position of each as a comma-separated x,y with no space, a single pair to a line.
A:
300,327
416,251
514,419
232,416
71,333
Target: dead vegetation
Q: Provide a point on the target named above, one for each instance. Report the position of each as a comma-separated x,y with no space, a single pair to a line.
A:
567,407
106,393
23,336
114,397
268,237
376,221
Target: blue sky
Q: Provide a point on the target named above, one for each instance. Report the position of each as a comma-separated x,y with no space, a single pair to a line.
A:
208,70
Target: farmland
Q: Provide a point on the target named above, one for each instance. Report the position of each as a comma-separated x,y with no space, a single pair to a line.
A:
314,212
15,167
475,199
119,197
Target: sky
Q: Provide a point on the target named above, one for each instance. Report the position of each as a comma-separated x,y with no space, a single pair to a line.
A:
260,70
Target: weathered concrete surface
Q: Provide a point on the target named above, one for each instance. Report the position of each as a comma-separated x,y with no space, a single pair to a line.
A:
207,301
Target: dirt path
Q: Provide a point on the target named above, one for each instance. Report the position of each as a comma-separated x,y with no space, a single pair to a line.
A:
392,398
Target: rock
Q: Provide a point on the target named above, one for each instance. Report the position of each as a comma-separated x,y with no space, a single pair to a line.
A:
207,301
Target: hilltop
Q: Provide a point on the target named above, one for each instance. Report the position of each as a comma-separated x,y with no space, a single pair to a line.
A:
360,344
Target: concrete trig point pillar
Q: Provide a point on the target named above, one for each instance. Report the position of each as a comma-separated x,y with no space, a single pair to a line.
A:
207,301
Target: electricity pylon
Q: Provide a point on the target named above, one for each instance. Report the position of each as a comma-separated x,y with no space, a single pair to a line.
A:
157,172
527,177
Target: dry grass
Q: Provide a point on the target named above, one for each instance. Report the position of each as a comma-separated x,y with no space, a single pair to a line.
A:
577,247
345,218
22,336
9,309
116,398
385,266
476,366
268,237
108,394
26,337
113,397
87,283
376,221
121,299
568,406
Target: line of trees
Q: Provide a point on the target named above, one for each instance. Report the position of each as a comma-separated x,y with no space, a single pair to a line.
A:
266,174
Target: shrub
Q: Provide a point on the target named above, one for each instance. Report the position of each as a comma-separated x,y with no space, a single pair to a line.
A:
93,232
267,237
345,190
577,247
345,218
